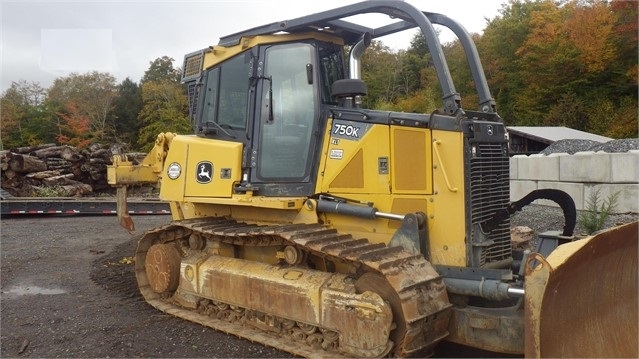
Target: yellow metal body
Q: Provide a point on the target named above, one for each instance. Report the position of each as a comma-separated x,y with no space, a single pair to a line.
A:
425,174
306,295
417,181
123,172
401,170
195,182
216,54
420,179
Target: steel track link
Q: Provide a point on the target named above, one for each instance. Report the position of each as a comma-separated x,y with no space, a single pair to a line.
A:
420,306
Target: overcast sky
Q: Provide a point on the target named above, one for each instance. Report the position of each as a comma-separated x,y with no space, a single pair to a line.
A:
43,40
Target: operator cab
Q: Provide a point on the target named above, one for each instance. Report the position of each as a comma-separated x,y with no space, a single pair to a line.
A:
269,98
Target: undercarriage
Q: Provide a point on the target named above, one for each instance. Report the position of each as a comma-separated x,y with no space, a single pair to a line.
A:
304,288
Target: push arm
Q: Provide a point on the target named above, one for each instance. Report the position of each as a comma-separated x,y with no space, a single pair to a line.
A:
123,173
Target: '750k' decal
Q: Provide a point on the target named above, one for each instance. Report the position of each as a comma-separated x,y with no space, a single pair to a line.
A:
349,131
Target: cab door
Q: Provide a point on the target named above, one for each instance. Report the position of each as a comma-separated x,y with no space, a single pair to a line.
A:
285,131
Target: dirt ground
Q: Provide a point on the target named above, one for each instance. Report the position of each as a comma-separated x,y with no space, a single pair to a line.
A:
68,291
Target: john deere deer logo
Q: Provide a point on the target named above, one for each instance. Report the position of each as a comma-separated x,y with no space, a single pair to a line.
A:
204,172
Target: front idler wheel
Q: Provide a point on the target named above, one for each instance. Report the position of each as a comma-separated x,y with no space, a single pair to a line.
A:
162,265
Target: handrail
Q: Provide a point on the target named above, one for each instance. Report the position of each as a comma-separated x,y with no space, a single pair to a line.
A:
441,164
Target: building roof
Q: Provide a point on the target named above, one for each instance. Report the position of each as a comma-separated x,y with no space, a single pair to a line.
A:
550,134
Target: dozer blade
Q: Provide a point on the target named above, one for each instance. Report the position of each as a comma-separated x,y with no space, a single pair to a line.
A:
581,301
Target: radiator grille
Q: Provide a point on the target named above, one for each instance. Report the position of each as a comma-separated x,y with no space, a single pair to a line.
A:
490,192
192,66
193,92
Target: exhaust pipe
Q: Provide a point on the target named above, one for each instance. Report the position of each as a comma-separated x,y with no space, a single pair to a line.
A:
356,53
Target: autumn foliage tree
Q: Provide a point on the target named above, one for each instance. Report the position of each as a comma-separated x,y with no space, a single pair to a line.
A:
75,127
558,63
565,64
91,95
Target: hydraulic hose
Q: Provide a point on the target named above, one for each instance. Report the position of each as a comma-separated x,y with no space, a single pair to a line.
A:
563,199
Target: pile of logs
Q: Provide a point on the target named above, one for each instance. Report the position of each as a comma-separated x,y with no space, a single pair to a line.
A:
67,170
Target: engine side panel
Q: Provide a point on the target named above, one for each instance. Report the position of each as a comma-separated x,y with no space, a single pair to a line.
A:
401,170
447,222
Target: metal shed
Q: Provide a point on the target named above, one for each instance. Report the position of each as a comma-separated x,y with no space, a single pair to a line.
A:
526,140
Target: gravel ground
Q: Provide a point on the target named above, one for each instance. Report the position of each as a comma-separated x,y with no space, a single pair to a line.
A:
68,291
573,146
545,218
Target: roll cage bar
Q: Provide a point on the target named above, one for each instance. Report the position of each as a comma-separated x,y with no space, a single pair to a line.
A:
331,21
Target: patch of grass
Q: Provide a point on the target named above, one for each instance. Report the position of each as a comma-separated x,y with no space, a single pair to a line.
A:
597,211
48,191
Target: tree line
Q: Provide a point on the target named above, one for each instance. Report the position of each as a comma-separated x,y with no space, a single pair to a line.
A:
551,63
83,109
548,63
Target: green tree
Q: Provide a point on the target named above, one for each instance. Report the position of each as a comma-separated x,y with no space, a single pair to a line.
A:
162,69
126,107
460,72
418,65
419,101
164,102
164,110
25,118
417,84
380,71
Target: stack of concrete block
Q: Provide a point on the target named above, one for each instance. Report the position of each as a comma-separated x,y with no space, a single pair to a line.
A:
579,175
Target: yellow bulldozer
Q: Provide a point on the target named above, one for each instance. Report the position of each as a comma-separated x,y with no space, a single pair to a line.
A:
305,222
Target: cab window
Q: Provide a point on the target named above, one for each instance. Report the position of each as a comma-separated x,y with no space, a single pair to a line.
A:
226,95
286,129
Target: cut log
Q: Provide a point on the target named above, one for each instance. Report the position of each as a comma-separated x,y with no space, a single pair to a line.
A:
24,163
74,190
43,174
97,175
29,149
65,152
95,160
102,153
58,180
94,147
79,171
58,163
10,174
